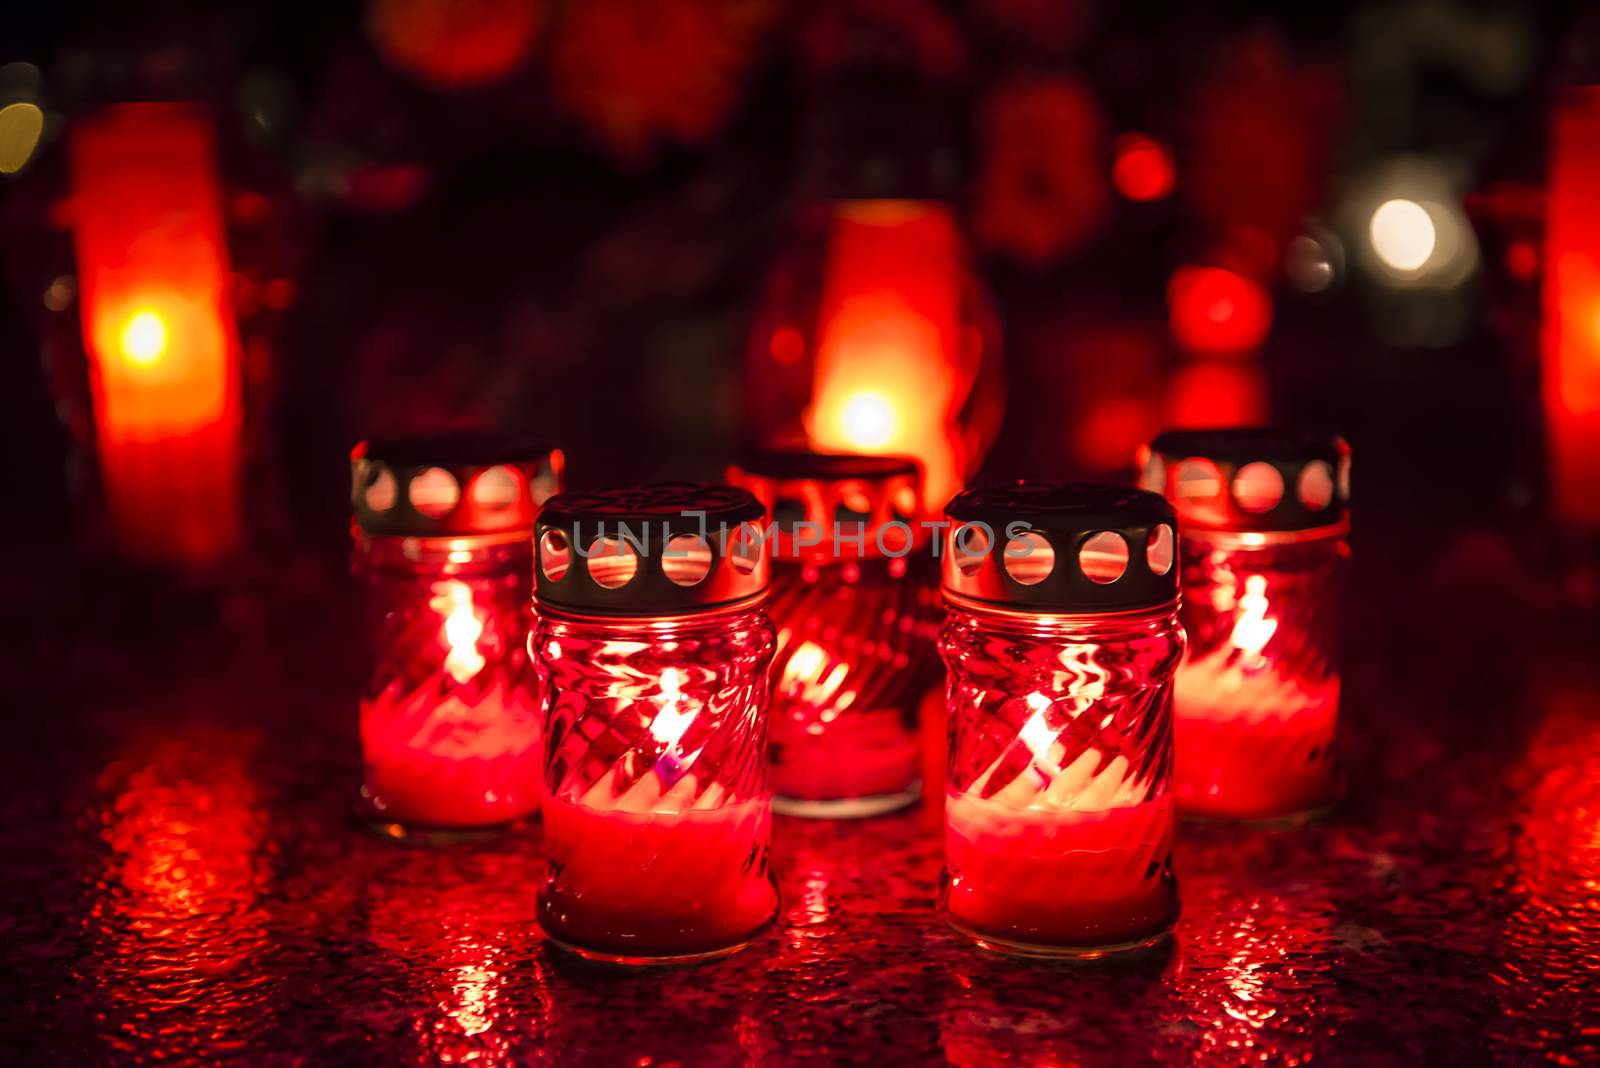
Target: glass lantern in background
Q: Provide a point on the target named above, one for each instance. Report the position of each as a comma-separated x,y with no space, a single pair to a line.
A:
1264,525
1061,641
875,337
856,622
450,715
159,329
653,637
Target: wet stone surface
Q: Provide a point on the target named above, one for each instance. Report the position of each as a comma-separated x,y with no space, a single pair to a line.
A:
185,881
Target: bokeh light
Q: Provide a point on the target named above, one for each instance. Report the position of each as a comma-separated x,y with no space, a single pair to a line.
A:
1522,260
1217,394
20,127
869,419
1309,264
1215,310
1143,169
144,338
1403,235
788,345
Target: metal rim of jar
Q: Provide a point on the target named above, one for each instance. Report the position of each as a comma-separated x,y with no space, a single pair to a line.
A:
1260,539
551,610
969,604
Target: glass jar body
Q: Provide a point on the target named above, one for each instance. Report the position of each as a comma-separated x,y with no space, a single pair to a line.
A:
657,817
1058,806
450,714
855,637
1258,690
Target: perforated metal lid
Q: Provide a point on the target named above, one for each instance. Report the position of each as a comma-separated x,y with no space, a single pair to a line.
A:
827,507
1250,478
1060,547
666,549
451,484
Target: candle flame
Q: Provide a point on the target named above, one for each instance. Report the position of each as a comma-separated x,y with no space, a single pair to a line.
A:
671,722
144,338
869,419
1036,733
1254,628
807,678
452,599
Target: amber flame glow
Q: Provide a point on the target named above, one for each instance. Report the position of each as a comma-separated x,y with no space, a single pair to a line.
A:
672,722
811,679
1253,628
463,626
144,339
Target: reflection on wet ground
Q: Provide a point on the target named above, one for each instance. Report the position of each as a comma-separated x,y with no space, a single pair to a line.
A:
186,883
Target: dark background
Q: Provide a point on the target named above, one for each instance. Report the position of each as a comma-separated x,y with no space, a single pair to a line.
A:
556,218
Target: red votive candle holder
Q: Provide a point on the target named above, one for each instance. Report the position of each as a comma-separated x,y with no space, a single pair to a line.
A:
1061,640
653,638
855,623
450,715
1264,520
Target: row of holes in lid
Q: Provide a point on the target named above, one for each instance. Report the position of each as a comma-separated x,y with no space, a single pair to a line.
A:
1257,487
613,561
1029,558
435,493
854,505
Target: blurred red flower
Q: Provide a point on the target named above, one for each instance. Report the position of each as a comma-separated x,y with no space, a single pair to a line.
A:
1042,187
640,71
1050,27
917,33
455,44
1262,127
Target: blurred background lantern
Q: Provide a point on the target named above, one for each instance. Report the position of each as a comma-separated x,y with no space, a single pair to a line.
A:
875,335
1572,308
153,283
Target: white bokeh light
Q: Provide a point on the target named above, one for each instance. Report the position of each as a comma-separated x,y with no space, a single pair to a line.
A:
1403,234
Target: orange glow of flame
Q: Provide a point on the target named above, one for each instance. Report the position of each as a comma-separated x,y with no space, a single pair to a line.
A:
1253,628
887,366
452,599
672,722
807,678
144,339
1036,733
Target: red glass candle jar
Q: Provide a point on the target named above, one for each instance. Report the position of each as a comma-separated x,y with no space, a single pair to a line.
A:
1264,521
1061,641
450,714
653,638
855,626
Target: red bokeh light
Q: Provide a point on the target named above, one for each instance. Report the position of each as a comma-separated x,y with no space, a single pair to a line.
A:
1218,311
1112,429
455,44
1522,260
1143,169
788,345
1217,394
